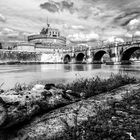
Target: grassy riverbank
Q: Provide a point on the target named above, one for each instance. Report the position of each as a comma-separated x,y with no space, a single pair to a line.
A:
94,86
87,86
113,122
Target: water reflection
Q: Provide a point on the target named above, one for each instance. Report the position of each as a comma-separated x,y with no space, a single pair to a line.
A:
80,67
96,66
11,74
67,67
49,67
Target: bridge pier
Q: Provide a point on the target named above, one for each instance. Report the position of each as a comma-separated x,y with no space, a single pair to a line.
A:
73,60
89,60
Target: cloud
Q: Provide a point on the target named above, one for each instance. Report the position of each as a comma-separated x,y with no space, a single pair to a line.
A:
134,24
8,33
68,6
133,28
53,6
126,15
27,34
137,33
77,27
2,18
128,35
114,39
119,39
73,27
81,37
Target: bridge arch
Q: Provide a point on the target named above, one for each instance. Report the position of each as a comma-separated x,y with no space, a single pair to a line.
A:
80,57
98,55
126,55
67,58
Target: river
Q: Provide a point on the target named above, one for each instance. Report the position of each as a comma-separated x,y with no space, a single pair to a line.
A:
60,73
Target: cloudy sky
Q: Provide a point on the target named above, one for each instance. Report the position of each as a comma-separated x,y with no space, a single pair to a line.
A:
78,20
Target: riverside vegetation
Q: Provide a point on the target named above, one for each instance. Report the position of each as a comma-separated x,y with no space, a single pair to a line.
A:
89,86
94,86
118,122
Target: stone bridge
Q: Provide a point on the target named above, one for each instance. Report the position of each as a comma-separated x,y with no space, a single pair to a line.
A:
118,53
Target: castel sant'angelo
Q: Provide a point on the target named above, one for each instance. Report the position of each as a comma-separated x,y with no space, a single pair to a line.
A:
49,40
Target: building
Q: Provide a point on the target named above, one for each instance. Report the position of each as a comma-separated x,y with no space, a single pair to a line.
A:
24,46
49,40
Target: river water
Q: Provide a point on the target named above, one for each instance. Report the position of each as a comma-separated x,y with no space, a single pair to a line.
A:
60,73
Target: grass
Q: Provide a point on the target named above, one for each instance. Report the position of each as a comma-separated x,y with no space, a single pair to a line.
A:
94,86
89,86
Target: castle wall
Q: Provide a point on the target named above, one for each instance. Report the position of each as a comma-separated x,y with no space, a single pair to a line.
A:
19,56
20,47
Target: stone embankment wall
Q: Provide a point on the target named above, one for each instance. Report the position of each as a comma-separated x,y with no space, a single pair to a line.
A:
8,56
